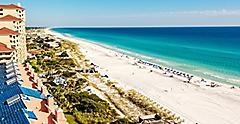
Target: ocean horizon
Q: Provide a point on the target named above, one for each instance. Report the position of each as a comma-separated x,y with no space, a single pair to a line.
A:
208,52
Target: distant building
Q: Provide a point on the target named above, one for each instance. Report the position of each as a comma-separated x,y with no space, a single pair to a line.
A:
59,80
12,29
53,44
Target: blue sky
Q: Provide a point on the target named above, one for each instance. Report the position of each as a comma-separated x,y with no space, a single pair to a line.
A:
130,12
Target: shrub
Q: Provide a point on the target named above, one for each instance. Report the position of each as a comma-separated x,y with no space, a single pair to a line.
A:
68,74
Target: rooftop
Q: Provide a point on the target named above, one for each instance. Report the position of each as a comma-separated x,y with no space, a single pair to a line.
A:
11,113
10,18
6,31
4,48
12,97
25,104
11,6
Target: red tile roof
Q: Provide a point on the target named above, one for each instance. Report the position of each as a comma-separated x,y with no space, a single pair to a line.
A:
10,18
11,6
4,48
6,31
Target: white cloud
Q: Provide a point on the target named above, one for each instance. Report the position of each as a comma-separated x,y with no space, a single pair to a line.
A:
193,13
223,12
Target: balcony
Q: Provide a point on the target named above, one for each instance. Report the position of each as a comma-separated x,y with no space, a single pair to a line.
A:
5,55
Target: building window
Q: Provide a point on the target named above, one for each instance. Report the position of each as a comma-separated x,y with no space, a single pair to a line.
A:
16,35
13,21
10,36
17,10
1,9
7,53
1,13
13,37
10,41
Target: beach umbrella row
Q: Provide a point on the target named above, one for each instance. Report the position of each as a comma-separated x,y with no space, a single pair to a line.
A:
170,70
150,64
179,73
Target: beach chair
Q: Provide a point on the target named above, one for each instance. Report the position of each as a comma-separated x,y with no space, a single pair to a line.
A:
11,81
13,73
19,80
8,63
10,75
15,79
12,66
10,70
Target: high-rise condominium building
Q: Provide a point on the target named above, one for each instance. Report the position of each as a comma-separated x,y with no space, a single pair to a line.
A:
12,30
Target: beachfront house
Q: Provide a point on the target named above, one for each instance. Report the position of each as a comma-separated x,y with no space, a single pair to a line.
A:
59,80
53,44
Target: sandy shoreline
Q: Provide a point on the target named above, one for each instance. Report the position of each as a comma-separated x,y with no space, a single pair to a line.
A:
195,103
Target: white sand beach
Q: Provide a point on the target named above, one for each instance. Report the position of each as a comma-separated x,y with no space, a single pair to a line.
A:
195,103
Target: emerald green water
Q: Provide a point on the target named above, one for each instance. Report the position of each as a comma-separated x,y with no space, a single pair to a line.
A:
211,52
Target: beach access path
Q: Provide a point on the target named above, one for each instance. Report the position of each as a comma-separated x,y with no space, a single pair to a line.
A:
202,105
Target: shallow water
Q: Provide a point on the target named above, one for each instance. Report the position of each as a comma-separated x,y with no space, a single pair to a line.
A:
209,52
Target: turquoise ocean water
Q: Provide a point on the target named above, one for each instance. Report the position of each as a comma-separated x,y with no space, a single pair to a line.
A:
209,52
